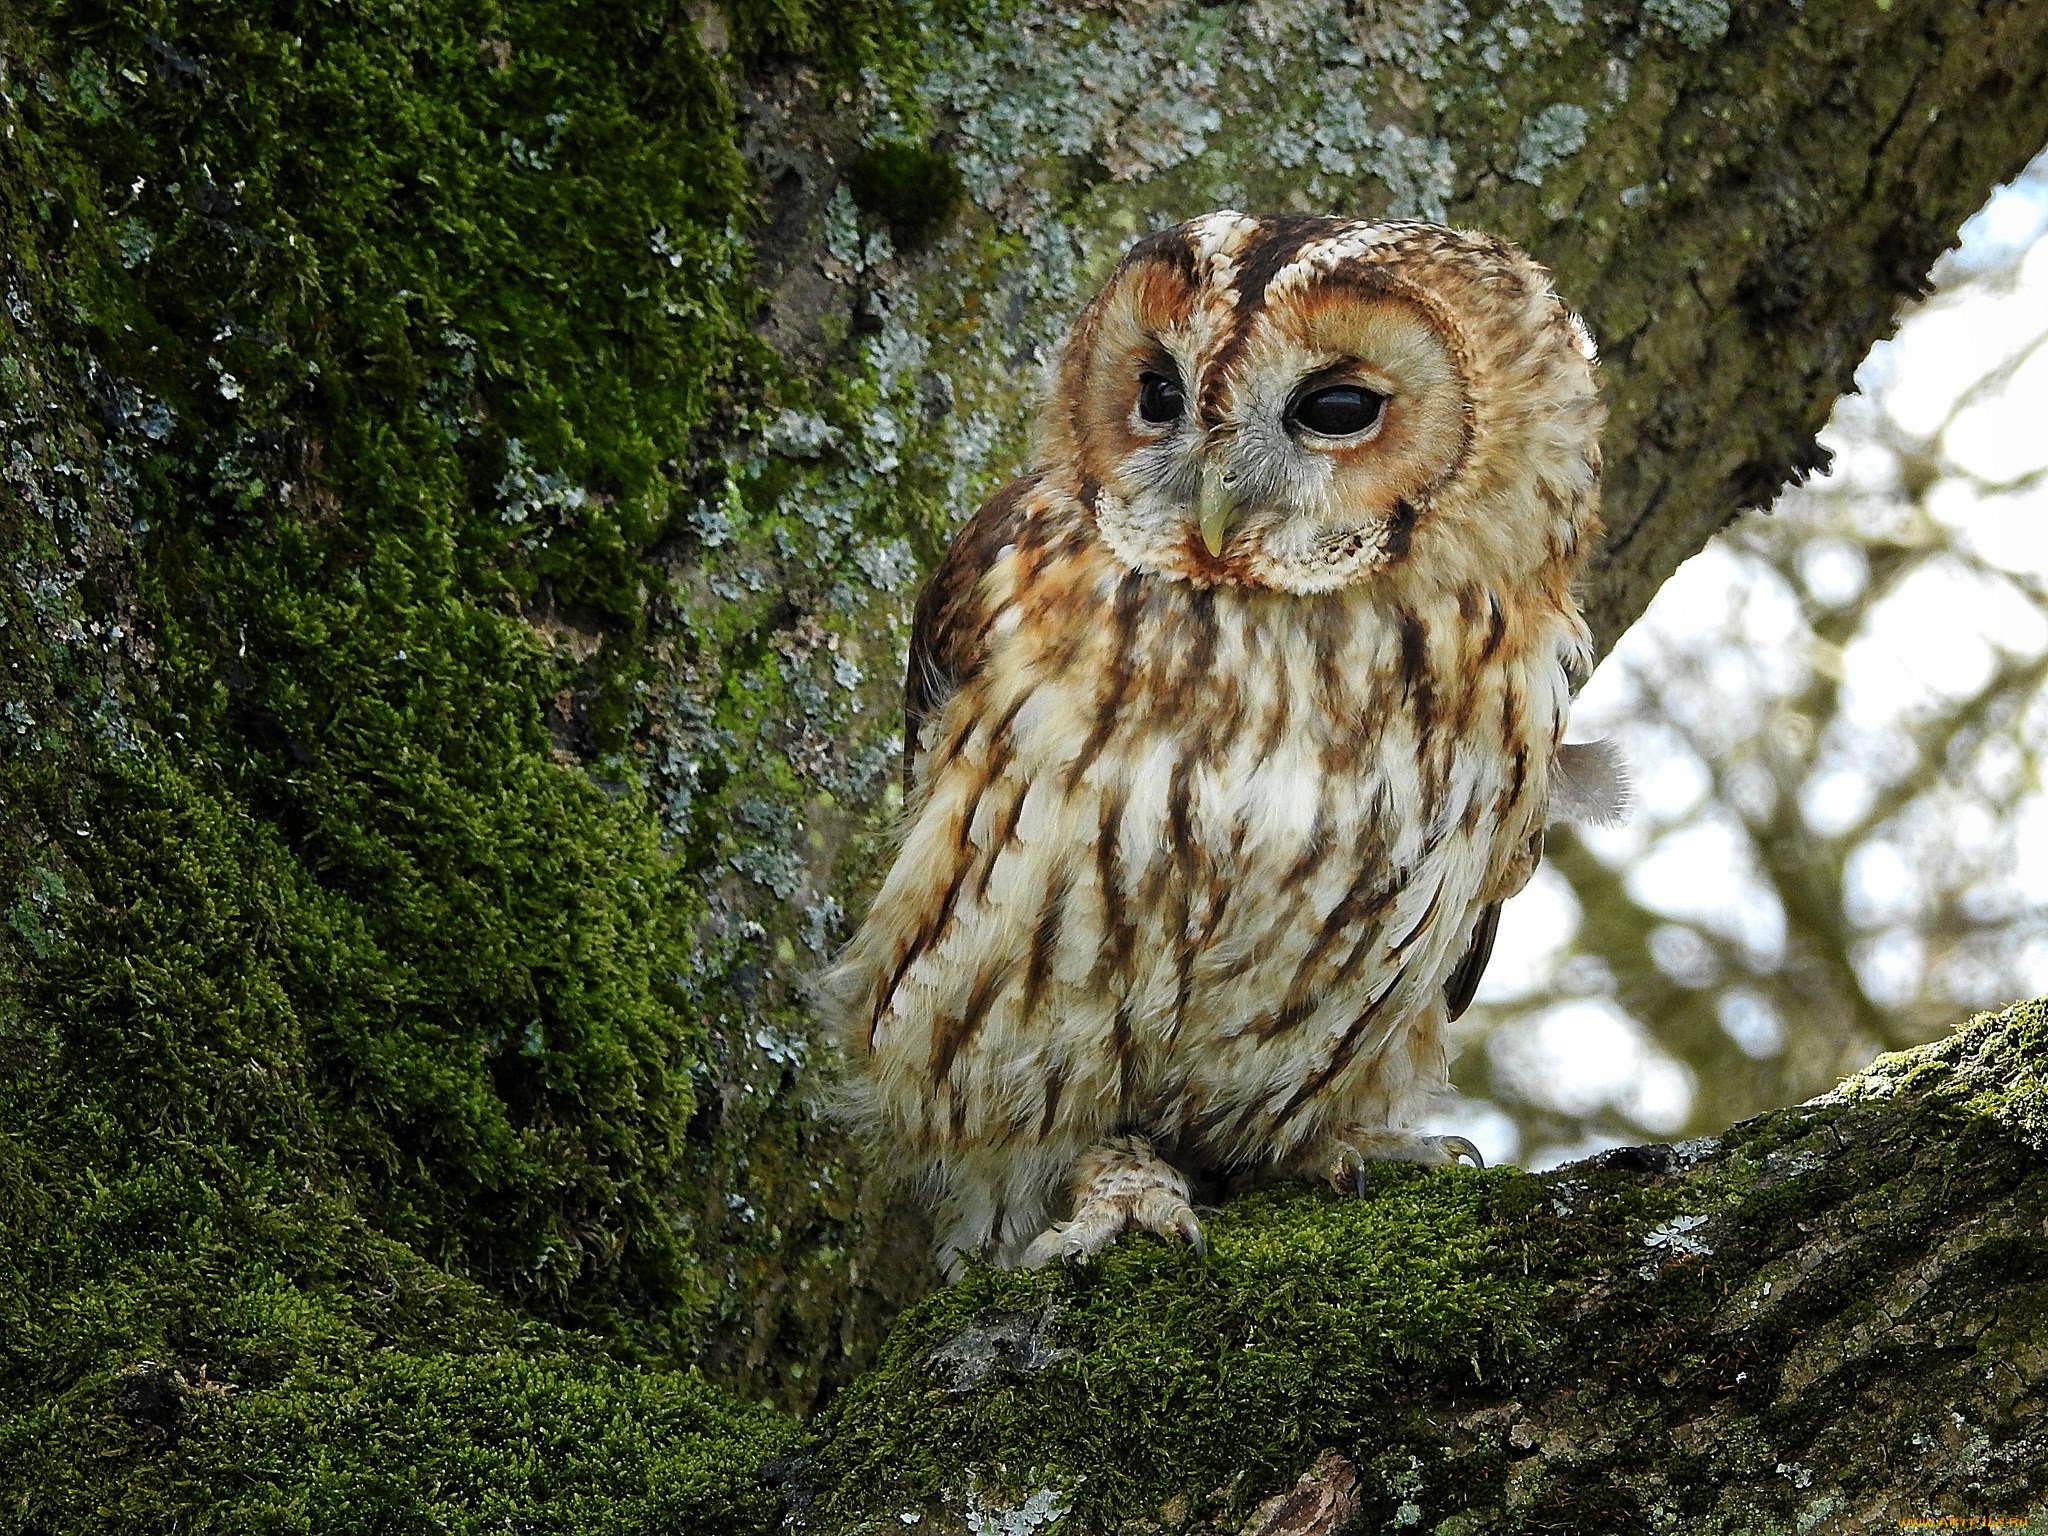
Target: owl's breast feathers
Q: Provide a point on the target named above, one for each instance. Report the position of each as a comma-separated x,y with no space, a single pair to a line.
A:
1194,861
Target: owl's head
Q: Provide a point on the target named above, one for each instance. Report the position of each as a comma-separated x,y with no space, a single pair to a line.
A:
1305,404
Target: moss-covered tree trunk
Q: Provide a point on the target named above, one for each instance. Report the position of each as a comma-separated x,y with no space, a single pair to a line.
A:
467,464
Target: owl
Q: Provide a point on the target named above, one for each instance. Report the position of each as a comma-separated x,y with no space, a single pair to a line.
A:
1229,727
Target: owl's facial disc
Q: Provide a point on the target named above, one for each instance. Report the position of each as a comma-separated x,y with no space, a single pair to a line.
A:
1303,405
1342,414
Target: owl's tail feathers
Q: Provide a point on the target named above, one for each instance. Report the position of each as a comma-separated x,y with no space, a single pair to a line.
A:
1589,785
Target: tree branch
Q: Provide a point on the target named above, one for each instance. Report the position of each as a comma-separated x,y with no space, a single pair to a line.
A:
1830,1317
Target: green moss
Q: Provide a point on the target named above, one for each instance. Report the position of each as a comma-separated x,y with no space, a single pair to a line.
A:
402,309
1994,1067
404,321
183,1194
191,1374
1152,1372
287,1408
354,998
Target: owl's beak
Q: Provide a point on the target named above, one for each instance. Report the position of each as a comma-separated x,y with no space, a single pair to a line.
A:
1218,502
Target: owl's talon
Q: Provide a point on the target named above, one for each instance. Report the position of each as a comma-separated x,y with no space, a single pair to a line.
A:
1119,1186
1457,1146
1348,1168
1353,1150
1050,1244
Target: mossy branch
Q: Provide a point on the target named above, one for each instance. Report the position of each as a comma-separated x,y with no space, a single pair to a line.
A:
1829,1318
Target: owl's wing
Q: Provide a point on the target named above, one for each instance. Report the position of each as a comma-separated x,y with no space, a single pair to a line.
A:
1589,784
947,631
1463,982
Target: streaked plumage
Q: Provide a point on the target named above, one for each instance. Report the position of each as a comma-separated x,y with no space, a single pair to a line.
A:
1226,736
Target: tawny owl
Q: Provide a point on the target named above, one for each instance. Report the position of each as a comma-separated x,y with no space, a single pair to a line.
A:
1230,726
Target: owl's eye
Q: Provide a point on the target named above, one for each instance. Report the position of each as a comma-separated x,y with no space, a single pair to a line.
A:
1340,410
1159,398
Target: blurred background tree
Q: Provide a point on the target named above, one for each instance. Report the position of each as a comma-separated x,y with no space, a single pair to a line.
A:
1835,717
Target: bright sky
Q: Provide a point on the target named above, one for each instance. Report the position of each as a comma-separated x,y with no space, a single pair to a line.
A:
1967,370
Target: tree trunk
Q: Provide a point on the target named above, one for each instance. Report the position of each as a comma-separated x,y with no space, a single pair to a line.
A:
467,474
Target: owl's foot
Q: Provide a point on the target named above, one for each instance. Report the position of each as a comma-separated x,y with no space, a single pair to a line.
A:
1351,1151
1119,1185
